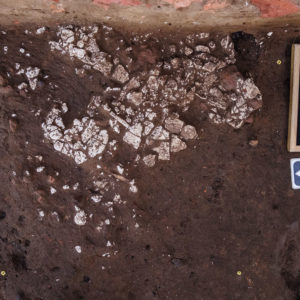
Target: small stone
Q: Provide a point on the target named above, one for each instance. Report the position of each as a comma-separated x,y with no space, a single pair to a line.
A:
40,30
189,132
253,143
159,134
96,198
132,186
80,217
209,67
174,125
227,45
22,86
31,74
41,214
120,74
79,53
135,97
201,48
175,63
212,45
177,144
133,84
250,90
132,139
163,151
149,160
188,51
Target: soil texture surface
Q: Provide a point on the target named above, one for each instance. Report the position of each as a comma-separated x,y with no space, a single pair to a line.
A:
146,166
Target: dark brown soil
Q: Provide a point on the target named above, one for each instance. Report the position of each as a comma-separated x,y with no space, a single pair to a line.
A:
217,208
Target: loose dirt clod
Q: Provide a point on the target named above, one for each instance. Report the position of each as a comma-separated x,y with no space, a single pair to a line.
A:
13,125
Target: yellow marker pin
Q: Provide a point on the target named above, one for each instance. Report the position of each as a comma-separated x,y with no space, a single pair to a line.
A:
278,62
239,273
3,273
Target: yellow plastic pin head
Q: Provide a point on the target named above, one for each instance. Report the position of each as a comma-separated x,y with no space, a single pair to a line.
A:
278,62
3,273
239,273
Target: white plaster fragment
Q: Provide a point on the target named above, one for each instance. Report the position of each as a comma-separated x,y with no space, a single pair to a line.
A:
41,214
40,30
80,217
52,190
97,198
78,249
40,169
132,186
120,169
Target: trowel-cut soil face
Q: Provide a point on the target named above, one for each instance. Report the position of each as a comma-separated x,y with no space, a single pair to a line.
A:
146,166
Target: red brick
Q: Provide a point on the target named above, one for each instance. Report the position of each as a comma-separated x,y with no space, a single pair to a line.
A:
275,8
